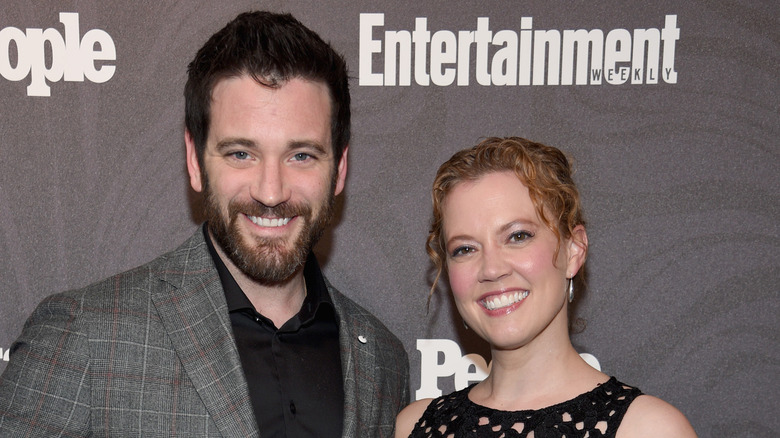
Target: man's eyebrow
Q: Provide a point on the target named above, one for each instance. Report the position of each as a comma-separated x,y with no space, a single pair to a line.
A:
296,144
237,141
318,147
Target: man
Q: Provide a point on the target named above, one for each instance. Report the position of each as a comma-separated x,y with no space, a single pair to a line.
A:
236,332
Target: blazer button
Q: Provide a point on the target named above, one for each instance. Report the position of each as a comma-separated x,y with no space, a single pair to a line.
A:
292,408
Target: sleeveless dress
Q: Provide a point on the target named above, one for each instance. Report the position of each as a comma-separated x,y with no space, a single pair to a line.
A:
585,416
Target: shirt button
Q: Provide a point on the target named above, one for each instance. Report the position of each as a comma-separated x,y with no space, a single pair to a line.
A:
292,408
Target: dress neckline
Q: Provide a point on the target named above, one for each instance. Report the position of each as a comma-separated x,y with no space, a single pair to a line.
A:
601,387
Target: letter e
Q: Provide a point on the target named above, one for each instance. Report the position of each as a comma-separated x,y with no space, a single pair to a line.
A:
431,369
105,52
464,376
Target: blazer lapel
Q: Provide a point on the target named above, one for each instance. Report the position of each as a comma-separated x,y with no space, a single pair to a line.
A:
357,351
192,307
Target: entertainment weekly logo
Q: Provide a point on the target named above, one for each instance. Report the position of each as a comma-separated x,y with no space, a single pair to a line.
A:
51,55
464,369
509,57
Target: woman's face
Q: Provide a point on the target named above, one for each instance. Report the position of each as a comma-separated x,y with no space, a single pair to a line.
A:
506,285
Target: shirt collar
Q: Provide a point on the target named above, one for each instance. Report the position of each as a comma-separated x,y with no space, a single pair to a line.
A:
317,296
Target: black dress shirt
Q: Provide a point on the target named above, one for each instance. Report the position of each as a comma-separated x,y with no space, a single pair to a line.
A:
294,371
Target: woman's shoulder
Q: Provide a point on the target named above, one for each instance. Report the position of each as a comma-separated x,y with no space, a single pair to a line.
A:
408,417
649,416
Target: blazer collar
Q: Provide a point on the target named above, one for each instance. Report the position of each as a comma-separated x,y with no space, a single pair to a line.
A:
358,353
192,307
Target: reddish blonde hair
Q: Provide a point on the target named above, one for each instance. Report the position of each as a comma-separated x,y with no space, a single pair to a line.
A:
545,170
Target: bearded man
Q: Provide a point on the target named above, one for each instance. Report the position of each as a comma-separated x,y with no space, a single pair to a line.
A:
236,332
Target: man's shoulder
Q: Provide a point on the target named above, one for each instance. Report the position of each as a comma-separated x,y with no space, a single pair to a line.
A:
358,316
347,307
129,295
190,257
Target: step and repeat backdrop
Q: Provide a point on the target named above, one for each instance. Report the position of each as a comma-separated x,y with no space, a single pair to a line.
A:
670,111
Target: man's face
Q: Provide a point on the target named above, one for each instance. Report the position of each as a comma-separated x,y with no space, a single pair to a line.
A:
268,173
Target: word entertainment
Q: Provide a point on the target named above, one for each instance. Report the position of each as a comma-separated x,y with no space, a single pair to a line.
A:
506,57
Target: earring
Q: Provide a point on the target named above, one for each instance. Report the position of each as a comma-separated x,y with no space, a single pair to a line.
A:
465,326
571,289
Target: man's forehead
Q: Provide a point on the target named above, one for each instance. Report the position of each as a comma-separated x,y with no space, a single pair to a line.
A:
300,106
270,82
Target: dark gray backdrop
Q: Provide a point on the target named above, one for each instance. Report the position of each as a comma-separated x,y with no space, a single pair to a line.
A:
680,181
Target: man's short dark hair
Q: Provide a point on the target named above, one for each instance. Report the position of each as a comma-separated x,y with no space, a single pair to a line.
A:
271,48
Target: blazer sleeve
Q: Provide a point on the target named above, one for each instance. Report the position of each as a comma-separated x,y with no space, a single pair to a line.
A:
45,386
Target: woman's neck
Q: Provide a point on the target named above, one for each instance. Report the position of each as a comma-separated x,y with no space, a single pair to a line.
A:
545,372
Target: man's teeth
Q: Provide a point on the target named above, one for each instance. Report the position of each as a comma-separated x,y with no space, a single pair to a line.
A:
505,300
265,222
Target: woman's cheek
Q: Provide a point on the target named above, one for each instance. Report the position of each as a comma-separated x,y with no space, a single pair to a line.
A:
461,279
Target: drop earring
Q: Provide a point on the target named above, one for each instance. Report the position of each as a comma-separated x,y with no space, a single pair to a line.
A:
571,289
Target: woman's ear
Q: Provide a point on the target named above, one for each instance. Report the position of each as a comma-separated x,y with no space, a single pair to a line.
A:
578,250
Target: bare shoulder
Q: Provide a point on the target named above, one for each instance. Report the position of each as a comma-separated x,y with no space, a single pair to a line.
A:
407,418
648,416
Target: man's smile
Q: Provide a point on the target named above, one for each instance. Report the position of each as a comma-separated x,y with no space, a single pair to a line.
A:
270,223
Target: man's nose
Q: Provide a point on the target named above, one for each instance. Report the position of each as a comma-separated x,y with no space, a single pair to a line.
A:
270,186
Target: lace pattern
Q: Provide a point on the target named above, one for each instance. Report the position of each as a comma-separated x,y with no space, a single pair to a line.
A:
594,414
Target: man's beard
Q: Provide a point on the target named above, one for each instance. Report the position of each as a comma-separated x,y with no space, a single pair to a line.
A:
266,260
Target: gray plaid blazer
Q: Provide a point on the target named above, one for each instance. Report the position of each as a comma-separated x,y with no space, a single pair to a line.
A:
150,352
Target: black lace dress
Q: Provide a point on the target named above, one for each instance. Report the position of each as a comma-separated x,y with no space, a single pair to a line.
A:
596,413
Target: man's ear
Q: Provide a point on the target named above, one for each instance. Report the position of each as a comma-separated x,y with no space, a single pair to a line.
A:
341,171
193,165
578,250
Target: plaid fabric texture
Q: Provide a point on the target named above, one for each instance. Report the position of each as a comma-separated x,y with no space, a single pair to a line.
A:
150,353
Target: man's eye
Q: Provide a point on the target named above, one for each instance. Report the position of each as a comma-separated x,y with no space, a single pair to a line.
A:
240,155
301,156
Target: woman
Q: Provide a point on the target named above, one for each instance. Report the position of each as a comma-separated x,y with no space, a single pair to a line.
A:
508,228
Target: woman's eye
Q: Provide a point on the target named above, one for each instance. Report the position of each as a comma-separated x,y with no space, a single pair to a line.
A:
520,236
461,250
